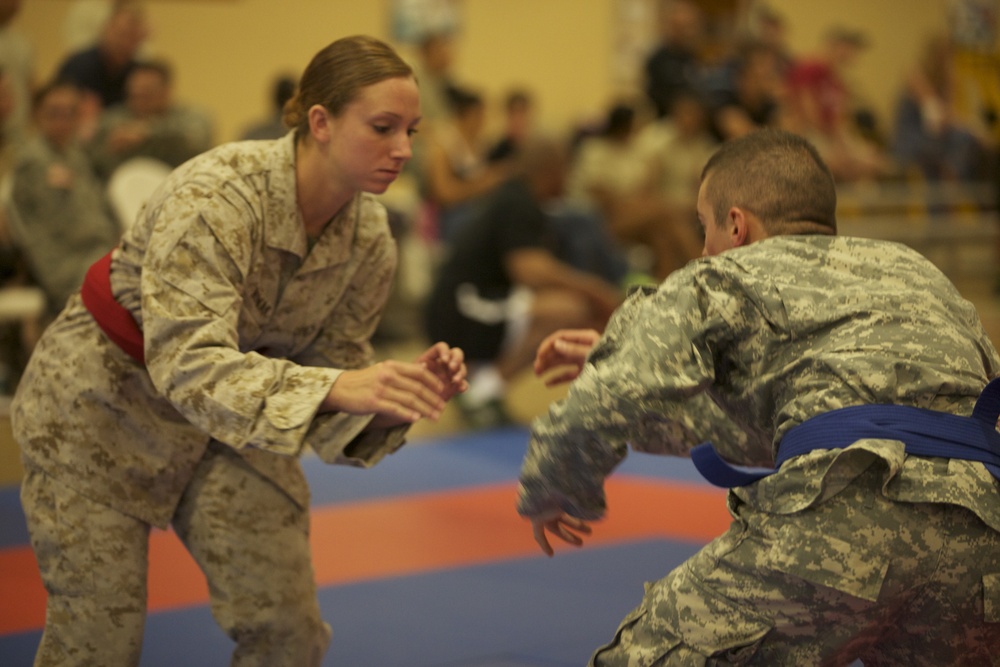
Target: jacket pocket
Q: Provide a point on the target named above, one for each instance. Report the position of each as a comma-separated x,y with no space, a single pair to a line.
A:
828,561
687,623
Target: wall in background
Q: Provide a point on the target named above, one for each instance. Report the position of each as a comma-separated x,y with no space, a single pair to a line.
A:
226,52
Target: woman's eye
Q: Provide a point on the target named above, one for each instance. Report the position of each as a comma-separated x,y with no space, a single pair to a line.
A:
382,129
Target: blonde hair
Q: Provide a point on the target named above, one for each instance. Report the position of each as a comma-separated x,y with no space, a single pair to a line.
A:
337,73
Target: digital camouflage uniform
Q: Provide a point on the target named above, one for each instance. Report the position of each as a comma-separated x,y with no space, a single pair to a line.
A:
61,221
855,552
176,135
245,329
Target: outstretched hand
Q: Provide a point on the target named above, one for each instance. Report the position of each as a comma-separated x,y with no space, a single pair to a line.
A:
567,348
398,392
560,524
448,365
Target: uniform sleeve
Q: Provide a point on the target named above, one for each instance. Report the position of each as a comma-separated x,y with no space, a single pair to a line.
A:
193,278
344,344
643,385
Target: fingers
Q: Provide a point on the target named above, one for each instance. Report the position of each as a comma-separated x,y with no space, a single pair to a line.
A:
586,337
559,378
562,527
538,528
576,352
565,347
448,363
407,392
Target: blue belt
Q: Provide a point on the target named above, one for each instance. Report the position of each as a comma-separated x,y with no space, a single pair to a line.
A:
924,432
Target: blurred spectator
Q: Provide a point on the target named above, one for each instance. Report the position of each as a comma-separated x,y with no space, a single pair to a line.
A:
769,28
678,148
149,124
618,177
973,31
11,264
274,126
930,135
674,64
519,110
502,289
21,304
83,23
455,173
102,69
17,61
59,217
756,98
433,70
821,107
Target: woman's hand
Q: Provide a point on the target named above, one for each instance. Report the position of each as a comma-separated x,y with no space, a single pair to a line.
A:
448,365
565,348
397,392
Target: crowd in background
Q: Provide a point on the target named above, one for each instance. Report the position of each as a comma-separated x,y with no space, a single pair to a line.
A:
608,202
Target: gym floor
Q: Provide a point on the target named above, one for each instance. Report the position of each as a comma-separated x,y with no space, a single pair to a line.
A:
422,560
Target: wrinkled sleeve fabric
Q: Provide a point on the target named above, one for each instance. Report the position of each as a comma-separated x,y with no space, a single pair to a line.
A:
643,384
193,280
338,437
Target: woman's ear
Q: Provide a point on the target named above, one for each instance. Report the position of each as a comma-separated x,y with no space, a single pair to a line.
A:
320,123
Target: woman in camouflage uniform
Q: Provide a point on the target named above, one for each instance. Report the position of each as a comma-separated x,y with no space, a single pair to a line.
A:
250,286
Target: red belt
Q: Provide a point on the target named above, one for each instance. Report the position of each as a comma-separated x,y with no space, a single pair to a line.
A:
115,321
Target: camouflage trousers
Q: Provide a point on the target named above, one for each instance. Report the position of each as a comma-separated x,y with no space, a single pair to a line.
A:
856,577
249,539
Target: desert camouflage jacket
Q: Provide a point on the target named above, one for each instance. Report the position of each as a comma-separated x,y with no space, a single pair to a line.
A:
739,348
245,327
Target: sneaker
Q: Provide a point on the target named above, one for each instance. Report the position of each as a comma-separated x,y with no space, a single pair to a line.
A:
488,415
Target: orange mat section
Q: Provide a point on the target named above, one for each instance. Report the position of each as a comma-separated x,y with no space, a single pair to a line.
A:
403,536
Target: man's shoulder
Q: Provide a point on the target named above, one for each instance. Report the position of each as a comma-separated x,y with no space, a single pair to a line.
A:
84,60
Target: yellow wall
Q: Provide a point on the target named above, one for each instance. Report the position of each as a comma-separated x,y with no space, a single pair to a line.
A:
226,51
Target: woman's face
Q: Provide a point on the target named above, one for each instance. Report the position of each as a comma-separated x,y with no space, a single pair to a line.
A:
371,139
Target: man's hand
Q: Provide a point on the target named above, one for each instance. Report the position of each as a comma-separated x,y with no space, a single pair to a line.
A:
561,525
565,348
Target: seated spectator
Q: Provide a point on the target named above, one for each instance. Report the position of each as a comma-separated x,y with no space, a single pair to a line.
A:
149,124
618,177
518,120
455,173
821,108
433,68
17,59
678,148
21,303
59,217
102,69
502,289
755,100
273,127
765,26
675,62
931,137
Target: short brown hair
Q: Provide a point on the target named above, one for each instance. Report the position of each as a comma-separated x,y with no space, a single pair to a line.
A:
776,175
336,74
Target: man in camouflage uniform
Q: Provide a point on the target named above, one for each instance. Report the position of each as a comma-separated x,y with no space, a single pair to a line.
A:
149,124
856,551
